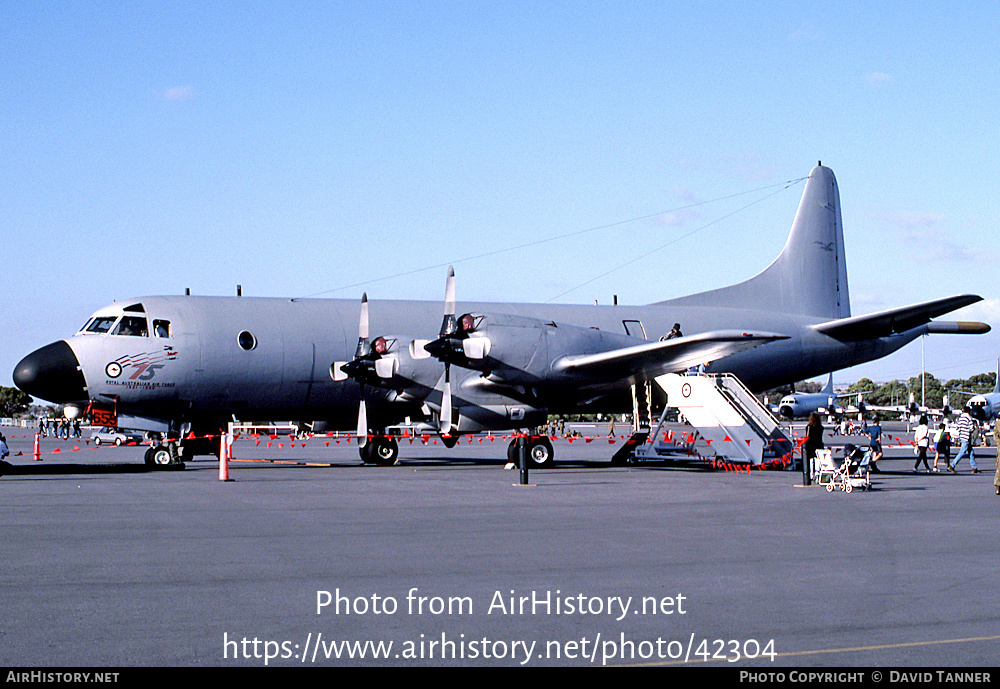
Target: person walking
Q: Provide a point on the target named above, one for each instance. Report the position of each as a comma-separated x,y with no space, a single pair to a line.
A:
814,438
874,433
965,434
996,441
921,436
942,445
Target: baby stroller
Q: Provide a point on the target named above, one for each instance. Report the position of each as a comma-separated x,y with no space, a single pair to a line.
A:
824,468
854,472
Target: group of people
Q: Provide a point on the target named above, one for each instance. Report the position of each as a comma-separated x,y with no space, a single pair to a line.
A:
814,440
941,442
966,432
966,435
60,428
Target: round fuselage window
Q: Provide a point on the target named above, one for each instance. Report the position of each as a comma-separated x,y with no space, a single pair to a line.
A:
247,340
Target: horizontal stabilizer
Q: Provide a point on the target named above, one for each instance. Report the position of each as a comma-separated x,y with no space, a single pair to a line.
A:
893,321
647,361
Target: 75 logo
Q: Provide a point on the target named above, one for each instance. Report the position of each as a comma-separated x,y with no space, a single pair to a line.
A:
142,371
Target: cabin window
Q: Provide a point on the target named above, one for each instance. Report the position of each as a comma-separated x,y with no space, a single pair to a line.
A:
132,326
634,329
247,340
161,328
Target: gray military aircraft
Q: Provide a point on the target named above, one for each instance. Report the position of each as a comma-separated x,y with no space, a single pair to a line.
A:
799,405
183,365
986,407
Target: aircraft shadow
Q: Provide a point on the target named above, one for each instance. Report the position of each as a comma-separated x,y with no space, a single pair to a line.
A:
67,469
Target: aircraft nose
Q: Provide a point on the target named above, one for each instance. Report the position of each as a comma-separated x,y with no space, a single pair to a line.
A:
52,373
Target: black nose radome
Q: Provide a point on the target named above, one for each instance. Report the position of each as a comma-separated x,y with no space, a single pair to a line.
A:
52,373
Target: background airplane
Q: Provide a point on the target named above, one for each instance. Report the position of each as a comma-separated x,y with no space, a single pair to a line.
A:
986,407
183,366
799,405
909,409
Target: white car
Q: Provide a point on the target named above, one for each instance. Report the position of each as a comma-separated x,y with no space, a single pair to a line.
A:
109,435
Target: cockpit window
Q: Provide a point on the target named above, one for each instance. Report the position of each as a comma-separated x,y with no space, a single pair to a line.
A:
101,324
133,326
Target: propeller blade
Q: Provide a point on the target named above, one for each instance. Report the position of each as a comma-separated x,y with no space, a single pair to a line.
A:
337,371
476,347
448,324
386,368
446,402
449,292
362,422
363,323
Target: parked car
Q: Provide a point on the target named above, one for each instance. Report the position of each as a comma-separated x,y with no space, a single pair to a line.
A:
109,435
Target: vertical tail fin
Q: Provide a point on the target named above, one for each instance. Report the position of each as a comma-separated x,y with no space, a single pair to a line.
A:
829,386
809,277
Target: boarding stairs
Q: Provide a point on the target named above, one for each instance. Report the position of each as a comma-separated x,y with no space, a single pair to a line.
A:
729,418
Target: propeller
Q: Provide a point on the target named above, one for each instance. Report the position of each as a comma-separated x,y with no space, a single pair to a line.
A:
368,367
443,348
455,346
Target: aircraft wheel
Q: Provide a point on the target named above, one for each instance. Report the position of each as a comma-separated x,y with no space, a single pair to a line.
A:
161,456
384,451
540,452
512,452
449,440
380,451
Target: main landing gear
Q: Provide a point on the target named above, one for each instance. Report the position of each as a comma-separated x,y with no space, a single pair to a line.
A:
540,452
381,450
163,456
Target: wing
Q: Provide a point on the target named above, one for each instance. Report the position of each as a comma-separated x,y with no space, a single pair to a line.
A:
646,361
885,323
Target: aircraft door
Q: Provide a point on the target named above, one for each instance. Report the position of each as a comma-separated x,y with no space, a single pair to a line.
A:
301,371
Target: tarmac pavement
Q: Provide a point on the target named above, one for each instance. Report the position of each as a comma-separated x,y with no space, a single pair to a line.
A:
110,564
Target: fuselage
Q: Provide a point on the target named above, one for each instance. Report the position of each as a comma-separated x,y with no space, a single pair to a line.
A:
984,407
802,404
190,358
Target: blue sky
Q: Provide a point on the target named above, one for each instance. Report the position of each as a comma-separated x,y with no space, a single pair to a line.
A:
306,148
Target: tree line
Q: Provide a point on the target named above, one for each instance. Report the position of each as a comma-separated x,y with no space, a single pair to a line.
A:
13,402
896,392
958,390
